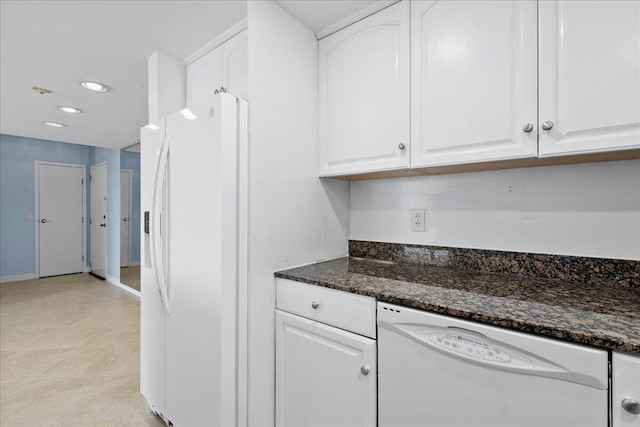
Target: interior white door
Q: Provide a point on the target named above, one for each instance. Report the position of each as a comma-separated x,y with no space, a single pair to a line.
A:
321,375
125,217
60,218
473,81
589,76
364,95
99,220
235,65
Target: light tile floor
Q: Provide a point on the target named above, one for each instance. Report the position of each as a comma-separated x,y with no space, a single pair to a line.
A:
130,276
70,354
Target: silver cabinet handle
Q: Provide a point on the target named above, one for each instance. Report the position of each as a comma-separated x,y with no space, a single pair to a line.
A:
401,146
315,305
527,128
632,406
547,125
364,370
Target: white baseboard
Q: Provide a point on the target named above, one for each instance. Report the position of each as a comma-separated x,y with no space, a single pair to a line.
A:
17,277
116,282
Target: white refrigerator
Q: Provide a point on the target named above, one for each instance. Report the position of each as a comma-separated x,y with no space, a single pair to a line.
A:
193,197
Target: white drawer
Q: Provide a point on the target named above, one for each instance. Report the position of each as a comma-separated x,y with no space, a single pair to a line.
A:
355,313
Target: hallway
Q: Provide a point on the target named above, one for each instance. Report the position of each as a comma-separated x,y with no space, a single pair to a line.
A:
70,354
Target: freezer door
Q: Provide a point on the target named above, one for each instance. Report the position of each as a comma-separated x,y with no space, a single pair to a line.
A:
440,371
152,316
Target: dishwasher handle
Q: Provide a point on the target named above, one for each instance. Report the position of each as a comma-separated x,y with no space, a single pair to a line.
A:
484,351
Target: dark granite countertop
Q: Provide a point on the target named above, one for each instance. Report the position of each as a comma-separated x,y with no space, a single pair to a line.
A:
598,315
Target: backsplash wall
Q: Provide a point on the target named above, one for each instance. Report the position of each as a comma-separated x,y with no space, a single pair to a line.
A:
588,210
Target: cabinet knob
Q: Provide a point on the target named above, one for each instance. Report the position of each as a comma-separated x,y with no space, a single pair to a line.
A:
632,406
365,370
401,146
527,128
43,220
547,125
315,305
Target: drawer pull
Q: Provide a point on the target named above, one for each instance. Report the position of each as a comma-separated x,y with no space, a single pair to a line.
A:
315,305
364,370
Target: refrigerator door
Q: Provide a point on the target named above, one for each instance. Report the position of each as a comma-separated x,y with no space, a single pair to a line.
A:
199,171
152,316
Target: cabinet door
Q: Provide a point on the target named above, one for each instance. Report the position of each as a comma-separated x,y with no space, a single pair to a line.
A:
204,76
473,81
235,65
589,76
319,381
625,384
364,95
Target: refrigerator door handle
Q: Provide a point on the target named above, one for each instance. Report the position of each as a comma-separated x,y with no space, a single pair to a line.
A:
157,229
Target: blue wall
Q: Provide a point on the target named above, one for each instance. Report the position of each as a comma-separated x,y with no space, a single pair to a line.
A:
112,157
131,160
17,233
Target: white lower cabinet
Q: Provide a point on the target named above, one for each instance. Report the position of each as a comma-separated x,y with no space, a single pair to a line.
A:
625,390
325,376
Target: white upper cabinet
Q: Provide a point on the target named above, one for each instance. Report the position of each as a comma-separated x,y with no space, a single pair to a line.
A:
235,65
225,68
204,76
473,81
589,76
364,95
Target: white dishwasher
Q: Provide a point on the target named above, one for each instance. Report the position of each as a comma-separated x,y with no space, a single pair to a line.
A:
439,371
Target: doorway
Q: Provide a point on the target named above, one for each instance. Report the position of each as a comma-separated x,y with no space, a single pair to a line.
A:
99,220
60,211
125,217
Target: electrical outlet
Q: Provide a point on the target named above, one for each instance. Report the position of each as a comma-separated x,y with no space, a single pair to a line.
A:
417,220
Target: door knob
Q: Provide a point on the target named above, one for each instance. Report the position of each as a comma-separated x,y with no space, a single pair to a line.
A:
632,406
43,220
547,125
527,128
315,305
401,146
364,370
125,219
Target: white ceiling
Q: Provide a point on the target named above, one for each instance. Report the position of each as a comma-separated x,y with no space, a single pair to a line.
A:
58,44
319,14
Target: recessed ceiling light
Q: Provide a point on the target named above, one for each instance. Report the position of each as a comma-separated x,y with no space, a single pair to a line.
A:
94,86
54,124
71,110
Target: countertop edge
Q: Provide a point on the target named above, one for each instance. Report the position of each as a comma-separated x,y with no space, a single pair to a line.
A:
601,339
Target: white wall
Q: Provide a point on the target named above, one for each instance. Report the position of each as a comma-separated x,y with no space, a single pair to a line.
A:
583,210
294,217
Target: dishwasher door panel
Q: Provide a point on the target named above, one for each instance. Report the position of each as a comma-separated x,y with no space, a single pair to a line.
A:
421,385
